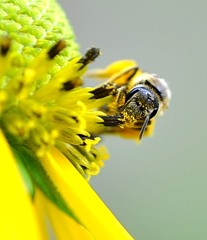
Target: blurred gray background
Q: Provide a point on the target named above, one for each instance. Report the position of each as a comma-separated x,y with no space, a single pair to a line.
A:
157,189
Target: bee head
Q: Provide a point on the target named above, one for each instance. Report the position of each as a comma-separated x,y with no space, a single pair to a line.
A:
158,86
150,96
140,106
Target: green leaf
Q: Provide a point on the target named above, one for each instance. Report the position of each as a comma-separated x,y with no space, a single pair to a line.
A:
24,173
41,179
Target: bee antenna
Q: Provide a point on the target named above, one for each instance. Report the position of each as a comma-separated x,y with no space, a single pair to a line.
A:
144,126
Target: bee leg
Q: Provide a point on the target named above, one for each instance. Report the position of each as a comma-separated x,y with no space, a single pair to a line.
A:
104,90
112,121
115,85
121,96
116,119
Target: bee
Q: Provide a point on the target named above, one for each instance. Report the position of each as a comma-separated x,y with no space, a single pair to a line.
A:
137,98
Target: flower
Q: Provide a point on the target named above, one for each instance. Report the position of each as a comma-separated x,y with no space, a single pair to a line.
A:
46,120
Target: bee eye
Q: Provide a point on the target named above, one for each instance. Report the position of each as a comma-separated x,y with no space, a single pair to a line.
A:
132,92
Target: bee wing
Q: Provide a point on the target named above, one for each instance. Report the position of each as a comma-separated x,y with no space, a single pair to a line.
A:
123,77
110,70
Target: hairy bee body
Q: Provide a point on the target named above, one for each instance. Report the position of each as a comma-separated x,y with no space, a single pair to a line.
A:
137,97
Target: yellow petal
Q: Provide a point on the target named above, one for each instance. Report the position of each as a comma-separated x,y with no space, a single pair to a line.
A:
17,216
85,203
41,214
64,227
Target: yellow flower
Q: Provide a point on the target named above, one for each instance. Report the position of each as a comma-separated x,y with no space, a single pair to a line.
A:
46,120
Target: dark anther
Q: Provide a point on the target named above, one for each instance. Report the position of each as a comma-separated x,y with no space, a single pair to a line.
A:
83,137
75,118
5,45
68,86
89,57
59,46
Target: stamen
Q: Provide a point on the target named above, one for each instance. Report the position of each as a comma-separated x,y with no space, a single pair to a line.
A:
89,57
5,46
41,113
59,46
